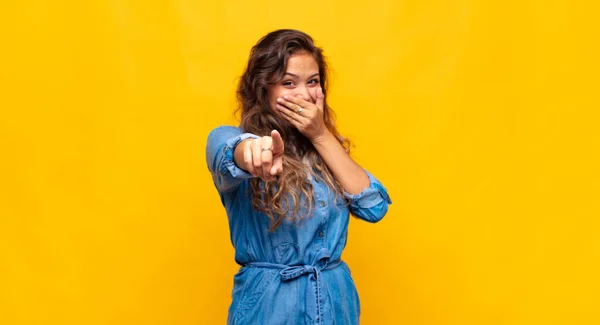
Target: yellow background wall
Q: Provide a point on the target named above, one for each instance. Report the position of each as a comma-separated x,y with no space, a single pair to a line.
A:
479,116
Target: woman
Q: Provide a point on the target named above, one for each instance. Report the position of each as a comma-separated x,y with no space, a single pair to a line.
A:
288,185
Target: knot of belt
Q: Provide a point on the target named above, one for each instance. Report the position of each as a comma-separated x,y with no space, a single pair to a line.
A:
320,263
289,272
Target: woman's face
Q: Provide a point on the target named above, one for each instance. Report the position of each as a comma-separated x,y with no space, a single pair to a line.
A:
301,79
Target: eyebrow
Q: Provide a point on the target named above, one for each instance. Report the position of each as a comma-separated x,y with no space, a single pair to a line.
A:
296,76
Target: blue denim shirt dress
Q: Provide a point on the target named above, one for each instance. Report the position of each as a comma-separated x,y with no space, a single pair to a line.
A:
293,275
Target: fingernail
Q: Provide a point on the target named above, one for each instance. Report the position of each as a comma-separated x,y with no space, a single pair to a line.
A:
279,100
286,96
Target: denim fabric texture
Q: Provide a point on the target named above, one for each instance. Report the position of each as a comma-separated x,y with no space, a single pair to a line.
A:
293,275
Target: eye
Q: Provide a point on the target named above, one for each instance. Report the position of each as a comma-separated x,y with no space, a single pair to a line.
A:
288,83
313,81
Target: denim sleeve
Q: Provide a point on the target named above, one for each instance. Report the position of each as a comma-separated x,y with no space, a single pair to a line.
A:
220,149
372,203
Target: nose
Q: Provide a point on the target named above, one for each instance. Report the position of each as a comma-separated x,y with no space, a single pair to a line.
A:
302,91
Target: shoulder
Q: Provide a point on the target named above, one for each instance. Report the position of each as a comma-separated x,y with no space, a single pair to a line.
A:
225,128
224,131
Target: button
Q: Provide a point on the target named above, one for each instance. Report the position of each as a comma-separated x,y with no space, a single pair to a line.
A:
323,203
321,234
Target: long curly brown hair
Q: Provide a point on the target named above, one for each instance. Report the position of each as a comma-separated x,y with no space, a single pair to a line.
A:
290,195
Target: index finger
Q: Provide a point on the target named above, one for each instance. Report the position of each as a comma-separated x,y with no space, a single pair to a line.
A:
278,144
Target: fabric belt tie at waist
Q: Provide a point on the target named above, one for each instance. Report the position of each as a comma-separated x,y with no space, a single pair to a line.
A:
290,272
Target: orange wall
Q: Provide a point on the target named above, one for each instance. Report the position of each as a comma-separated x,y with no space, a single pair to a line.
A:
481,118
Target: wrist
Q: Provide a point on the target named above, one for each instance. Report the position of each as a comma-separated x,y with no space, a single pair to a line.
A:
321,138
239,153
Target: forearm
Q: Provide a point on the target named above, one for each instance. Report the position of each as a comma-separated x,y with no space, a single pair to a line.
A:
346,171
238,156
221,145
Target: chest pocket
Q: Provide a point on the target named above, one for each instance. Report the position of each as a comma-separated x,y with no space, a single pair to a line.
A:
284,240
285,243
